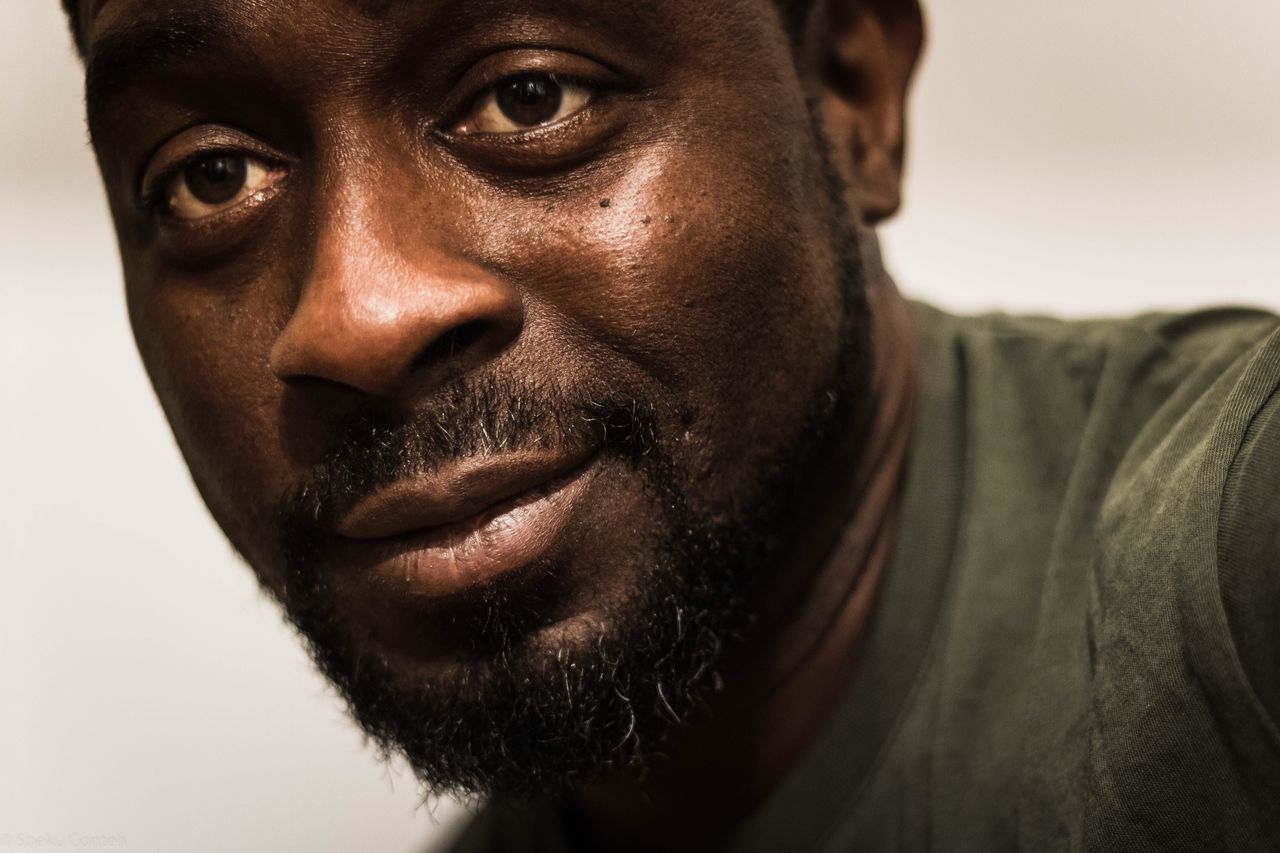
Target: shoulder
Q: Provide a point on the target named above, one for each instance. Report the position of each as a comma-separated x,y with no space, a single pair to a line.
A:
1248,529
1159,337
1118,387
1161,348
1186,616
1180,556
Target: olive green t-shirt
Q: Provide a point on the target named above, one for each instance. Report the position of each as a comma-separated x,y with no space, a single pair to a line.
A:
1077,643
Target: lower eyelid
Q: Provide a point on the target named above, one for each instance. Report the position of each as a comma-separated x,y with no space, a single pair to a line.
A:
245,207
571,143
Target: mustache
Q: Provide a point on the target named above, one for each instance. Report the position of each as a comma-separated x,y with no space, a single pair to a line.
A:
467,418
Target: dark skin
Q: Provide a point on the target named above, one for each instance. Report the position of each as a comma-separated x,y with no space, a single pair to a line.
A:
665,232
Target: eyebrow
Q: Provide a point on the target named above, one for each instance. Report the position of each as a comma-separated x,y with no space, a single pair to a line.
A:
132,51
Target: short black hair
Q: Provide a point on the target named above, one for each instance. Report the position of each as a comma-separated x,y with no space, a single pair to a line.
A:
72,8
794,13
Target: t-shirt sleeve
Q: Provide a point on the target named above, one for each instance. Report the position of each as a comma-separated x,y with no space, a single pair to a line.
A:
1249,544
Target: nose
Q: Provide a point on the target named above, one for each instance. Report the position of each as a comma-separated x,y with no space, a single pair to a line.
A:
383,320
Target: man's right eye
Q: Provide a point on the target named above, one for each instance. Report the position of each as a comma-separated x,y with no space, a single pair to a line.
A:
212,183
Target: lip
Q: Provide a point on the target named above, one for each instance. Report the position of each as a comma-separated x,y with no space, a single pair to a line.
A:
464,525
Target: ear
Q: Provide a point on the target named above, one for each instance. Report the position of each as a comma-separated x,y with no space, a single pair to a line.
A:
860,55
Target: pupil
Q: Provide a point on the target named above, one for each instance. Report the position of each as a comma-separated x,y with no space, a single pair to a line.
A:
217,179
531,100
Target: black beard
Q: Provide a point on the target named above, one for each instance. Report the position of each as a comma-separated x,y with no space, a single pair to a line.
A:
518,720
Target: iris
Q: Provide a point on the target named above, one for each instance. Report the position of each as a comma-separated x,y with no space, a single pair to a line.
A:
216,179
530,100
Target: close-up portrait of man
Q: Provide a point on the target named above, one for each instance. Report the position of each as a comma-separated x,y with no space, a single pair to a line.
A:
541,360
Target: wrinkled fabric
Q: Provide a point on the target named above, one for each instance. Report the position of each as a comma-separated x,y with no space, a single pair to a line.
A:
1077,644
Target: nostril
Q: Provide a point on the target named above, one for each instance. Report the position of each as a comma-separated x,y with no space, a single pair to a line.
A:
453,343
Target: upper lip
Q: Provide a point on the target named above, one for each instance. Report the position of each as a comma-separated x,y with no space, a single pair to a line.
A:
455,492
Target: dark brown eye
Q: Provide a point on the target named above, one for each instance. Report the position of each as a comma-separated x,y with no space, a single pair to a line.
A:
217,182
525,102
531,100
217,179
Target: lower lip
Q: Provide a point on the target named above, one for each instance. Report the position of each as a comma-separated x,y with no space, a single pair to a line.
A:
439,562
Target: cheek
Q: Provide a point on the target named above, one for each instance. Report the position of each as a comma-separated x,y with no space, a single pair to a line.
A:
205,349
711,278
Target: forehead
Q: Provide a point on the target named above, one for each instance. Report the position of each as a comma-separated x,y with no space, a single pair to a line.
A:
286,18
329,41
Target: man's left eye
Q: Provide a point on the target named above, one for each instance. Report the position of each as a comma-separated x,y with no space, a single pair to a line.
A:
526,102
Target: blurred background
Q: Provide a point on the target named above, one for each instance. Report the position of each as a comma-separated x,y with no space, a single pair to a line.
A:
1074,158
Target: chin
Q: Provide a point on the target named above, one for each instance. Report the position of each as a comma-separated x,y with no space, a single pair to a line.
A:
598,585
544,677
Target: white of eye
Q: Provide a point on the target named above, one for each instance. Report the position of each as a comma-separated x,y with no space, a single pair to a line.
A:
527,102
215,183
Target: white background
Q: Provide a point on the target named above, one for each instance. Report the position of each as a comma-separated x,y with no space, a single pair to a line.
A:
1097,156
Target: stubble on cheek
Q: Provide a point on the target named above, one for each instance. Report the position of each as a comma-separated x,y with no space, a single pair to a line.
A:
707,276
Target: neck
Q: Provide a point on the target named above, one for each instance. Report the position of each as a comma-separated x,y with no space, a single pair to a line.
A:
783,684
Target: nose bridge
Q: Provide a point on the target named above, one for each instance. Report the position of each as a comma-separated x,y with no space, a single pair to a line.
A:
386,301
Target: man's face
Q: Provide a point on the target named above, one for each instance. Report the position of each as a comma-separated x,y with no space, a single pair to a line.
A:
497,336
